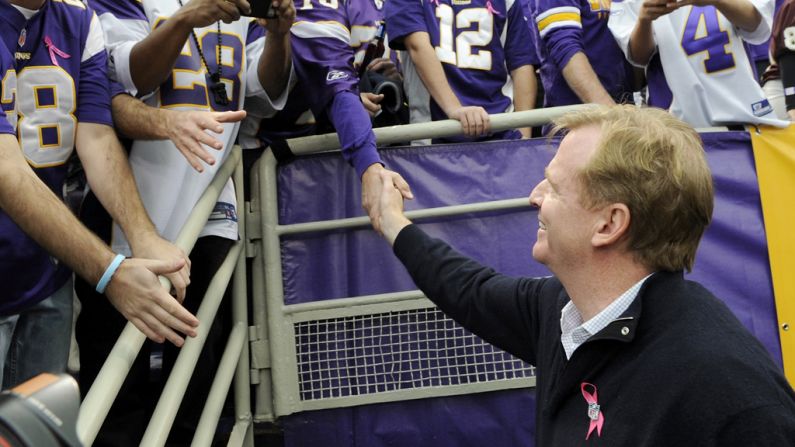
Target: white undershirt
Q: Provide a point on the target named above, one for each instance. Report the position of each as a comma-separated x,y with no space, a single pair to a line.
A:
28,13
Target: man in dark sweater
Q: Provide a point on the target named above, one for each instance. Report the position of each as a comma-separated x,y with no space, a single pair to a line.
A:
628,352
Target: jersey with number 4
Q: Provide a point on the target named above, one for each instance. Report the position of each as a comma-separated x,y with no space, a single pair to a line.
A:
168,185
61,79
478,42
704,62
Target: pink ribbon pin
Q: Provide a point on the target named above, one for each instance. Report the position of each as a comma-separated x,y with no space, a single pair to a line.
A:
594,413
491,10
54,51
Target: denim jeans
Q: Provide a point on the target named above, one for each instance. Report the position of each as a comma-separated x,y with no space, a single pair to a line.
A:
37,339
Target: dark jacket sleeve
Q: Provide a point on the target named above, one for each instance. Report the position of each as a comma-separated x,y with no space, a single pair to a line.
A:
502,310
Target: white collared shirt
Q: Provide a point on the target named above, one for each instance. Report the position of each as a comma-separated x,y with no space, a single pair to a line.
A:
574,332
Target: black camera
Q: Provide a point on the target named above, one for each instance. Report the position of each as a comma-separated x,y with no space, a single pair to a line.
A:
262,9
393,103
41,412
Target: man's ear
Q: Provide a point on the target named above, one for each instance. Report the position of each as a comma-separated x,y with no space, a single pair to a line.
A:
612,225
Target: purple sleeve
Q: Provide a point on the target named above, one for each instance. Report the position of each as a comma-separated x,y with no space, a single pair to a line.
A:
403,17
561,35
121,9
116,88
355,131
254,32
562,44
520,43
93,93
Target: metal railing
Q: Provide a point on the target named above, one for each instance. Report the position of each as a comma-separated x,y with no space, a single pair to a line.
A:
273,323
283,383
235,360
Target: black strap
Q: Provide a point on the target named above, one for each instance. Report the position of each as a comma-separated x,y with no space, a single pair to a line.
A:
786,65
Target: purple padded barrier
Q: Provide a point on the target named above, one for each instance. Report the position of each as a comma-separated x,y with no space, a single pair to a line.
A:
732,262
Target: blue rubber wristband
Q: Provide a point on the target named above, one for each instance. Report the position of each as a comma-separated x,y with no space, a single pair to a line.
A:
105,279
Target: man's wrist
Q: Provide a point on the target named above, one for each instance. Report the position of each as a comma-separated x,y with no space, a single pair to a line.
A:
392,226
106,277
181,21
142,238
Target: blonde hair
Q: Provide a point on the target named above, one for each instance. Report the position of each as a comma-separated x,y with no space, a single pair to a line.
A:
655,165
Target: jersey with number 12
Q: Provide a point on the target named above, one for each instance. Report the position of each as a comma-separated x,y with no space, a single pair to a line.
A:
704,62
478,42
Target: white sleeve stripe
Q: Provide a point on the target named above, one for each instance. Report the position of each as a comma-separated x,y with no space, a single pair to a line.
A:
564,24
334,30
361,34
95,41
558,10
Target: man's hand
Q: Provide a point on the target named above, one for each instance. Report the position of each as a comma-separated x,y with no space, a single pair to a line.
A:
285,16
372,183
188,131
386,67
136,292
372,103
152,246
201,13
791,114
390,219
650,10
474,120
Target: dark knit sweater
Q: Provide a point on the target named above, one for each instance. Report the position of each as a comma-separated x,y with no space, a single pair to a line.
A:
676,369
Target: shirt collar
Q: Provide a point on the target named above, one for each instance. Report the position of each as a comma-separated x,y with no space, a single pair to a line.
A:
574,332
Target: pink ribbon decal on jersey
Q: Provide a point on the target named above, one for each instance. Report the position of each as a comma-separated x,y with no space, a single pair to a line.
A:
54,51
594,413
491,10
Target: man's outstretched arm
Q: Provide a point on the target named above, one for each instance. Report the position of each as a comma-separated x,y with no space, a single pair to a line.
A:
134,289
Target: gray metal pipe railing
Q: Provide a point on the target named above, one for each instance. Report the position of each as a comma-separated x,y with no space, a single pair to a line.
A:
266,187
242,382
220,388
362,221
434,129
166,410
103,392
269,261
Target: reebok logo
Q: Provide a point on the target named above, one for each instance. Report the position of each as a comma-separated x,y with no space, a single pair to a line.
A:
336,75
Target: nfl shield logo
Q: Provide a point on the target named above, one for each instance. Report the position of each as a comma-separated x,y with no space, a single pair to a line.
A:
22,38
593,411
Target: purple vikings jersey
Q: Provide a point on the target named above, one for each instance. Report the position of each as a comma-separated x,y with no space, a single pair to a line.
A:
322,39
360,17
566,27
478,42
61,80
322,47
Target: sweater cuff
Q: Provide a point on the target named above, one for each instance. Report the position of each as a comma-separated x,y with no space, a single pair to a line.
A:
408,241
